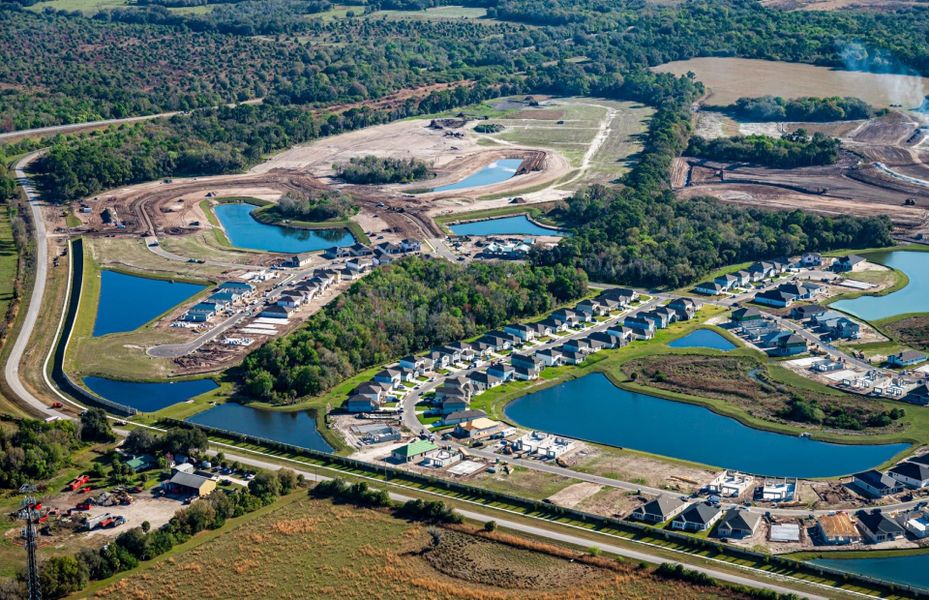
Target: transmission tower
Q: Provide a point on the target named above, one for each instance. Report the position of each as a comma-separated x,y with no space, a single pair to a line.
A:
29,511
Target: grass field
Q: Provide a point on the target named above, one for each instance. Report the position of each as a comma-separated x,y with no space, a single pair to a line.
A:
434,13
309,548
88,7
728,79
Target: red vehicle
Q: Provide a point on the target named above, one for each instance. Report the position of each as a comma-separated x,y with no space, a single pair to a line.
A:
57,405
78,482
85,505
107,522
85,490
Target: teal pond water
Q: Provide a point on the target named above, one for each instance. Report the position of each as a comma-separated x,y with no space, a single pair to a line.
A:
518,225
912,298
495,172
703,338
148,397
244,231
908,570
297,428
127,302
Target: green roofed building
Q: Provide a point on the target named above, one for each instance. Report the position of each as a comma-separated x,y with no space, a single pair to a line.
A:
413,450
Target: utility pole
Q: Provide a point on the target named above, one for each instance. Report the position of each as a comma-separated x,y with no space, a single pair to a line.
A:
29,512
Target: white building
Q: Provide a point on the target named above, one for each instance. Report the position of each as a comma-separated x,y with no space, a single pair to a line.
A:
730,484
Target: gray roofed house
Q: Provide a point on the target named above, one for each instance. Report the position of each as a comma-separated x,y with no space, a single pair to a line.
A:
699,516
876,484
659,509
738,523
906,358
877,527
912,474
462,416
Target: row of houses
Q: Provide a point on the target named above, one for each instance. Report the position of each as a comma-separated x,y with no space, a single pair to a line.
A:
826,322
787,293
304,291
756,272
754,326
736,523
873,527
911,474
222,297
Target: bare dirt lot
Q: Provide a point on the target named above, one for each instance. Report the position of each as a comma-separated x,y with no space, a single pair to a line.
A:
825,5
728,79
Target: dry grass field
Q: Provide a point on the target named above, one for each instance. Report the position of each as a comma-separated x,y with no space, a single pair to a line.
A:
314,549
727,79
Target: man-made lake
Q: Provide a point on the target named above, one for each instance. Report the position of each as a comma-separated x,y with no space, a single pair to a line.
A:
148,397
297,428
495,172
913,298
592,408
244,231
127,302
703,338
518,225
908,570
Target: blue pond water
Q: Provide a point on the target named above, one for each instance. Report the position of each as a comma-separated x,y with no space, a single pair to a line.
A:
128,302
908,570
297,428
518,225
495,172
703,338
592,408
244,231
149,397
913,298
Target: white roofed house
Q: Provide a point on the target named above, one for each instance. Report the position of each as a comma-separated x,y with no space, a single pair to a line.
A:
730,484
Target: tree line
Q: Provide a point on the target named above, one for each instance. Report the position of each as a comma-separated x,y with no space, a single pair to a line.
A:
408,306
795,149
776,108
366,170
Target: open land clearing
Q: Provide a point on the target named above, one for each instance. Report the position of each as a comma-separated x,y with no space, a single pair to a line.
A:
876,5
327,551
728,79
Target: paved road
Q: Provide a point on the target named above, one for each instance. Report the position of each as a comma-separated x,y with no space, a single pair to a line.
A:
175,350
11,369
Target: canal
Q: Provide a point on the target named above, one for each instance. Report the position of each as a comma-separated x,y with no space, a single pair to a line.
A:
244,231
495,172
297,428
592,408
703,338
127,302
146,396
516,225
912,298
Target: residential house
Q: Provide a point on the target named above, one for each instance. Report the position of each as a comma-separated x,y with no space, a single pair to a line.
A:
876,484
578,345
201,312
760,270
553,325
358,403
606,339
699,516
591,308
439,359
747,317
729,484
290,299
775,298
334,252
570,357
388,376
373,389
661,318
738,523
451,355
836,325
482,381
359,249
478,429
410,245
223,298
788,344
549,357
727,281
525,333
501,371
640,325
419,364
412,451
806,311
624,296
295,261
565,315
659,509
811,259
709,288
845,264
522,373
837,529
685,308
916,522
878,527
743,278
800,291
276,312
528,361
911,474
462,416
906,358
142,462
240,287
450,404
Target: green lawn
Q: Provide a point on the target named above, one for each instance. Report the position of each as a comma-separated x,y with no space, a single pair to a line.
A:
87,7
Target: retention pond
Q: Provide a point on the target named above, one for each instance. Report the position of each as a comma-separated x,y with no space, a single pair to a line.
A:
909,570
703,338
517,225
495,172
244,231
148,397
127,302
912,298
592,408
297,428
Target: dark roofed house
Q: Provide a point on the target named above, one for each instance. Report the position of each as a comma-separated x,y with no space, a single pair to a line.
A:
789,344
747,315
529,361
912,474
659,509
876,484
463,416
699,516
807,311
775,298
709,288
190,484
738,523
844,264
878,527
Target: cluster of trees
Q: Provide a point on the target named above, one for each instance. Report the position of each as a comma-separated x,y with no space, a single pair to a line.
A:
838,416
317,207
32,451
366,170
212,141
63,575
488,128
360,494
405,307
795,149
177,440
776,108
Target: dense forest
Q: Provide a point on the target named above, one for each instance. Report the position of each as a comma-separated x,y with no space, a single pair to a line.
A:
775,108
365,170
32,451
405,307
795,149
